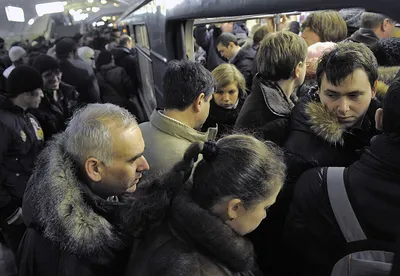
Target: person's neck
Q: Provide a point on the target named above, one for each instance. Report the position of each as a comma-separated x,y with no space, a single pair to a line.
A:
18,102
287,87
379,33
185,117
236,50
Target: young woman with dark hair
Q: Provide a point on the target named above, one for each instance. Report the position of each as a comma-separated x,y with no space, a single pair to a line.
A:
234,184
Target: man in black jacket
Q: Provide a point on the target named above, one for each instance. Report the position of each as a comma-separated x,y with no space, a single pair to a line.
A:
328,128
374,26
21,142
75,76
242,58
282,67
338,119
125,56
60,99
372,185
207,39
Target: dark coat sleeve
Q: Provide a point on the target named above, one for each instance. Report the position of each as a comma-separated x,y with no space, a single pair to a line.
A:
8,205
203,36
245,66
311,229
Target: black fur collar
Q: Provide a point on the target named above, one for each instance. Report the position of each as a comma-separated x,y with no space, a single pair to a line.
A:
65,210
209,232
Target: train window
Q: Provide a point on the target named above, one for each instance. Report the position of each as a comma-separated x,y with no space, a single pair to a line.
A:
249,22
142,37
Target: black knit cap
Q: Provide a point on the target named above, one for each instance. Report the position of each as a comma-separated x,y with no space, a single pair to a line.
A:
65,46
44,63
391,110
23,79
387,51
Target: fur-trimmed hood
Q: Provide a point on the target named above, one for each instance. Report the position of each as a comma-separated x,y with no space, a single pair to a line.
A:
211,235
312,116
324,123
65,211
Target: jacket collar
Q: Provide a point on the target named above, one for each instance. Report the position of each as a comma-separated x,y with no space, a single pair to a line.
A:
66,212
274,98
383,157
7,104
210,233
326,125
180,130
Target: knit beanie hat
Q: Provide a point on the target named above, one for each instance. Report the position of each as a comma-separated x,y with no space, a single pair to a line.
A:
352,18
44,63
387,51
64,47
15,53
23,79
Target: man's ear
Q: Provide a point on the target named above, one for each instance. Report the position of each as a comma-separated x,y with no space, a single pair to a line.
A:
379,119
199,102
297,70
385,24
94,169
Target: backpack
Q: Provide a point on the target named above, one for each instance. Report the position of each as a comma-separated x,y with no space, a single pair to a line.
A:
370,259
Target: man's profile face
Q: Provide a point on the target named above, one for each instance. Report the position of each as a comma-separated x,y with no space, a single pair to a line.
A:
125,172
226,52
350,100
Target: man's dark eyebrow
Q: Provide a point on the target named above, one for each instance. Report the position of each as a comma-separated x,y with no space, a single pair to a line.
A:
352,92
133,159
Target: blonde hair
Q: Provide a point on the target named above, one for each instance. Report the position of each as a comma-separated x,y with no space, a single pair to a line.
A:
225,74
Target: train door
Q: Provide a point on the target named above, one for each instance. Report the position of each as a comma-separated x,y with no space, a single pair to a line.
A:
146,91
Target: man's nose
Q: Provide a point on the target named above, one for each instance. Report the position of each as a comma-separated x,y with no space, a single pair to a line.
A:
343,106
144,165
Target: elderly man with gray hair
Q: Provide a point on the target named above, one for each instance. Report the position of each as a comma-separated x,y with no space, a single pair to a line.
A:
78,205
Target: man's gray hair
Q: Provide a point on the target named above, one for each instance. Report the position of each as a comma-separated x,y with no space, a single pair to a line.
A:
89,131
370,20
123,40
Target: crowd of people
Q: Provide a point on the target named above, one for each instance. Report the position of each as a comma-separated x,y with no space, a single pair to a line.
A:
299,129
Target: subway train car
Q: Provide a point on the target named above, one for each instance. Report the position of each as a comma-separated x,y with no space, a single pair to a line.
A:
163,29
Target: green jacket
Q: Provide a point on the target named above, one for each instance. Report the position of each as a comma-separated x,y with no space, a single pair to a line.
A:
167,140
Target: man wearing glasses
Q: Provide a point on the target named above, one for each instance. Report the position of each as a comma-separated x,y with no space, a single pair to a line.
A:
60,99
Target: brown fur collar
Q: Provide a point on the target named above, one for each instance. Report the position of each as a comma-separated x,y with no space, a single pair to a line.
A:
324,123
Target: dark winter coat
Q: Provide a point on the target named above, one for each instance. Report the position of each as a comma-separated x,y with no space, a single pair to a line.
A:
53,115
266,112
225,118
79,79
194,242
21,141
365,36
117,88
316,139
207,38
127,59
372,184
71,231
244,61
